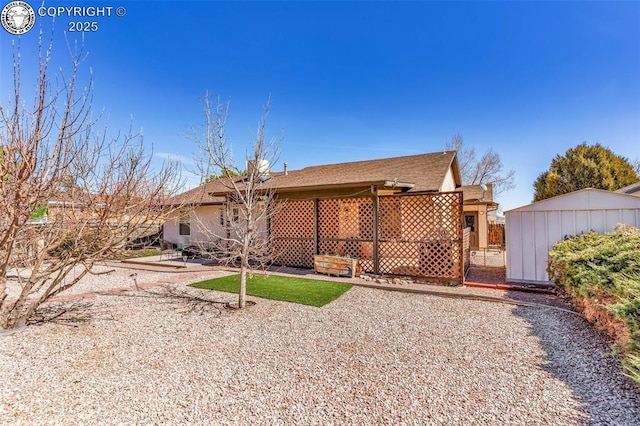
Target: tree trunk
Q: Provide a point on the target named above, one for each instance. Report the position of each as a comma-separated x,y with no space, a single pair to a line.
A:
242,294
244,266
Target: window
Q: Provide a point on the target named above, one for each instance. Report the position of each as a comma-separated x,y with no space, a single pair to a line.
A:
470,222
235,215
184,226
230,218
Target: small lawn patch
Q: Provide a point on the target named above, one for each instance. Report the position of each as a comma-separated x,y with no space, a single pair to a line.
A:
289,289
132,254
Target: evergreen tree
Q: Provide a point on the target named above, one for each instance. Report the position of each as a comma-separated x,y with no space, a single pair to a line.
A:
584,166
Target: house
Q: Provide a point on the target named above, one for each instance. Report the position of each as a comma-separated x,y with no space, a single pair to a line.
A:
395,214
479,211
432,173
633,189
532,230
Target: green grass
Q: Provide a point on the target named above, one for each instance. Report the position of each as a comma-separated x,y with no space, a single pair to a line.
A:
289,289
39,212
141,253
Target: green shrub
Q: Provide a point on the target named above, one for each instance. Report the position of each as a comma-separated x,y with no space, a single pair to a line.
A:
632,367
602,271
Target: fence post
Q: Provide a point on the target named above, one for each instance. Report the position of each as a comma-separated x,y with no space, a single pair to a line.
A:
376,246
316,229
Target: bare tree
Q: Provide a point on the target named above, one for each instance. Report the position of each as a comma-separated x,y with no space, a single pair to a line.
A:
69,196
488,169
248,195
636,165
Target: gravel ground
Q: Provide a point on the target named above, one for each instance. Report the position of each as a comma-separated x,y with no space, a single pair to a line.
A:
109,278
174,354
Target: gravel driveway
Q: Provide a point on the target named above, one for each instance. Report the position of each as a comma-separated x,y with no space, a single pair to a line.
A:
169,355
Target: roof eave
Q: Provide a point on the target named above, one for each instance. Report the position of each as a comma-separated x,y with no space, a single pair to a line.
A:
378,183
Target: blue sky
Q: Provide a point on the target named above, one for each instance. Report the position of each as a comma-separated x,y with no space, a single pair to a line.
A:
360,80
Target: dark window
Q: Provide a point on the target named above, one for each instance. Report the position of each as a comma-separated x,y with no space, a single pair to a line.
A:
184,227
469,222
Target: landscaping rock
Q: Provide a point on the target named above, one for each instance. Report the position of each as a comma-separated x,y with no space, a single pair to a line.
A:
174,355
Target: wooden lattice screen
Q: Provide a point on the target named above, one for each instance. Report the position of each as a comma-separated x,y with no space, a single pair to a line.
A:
345,228
416,235
421,235
293,233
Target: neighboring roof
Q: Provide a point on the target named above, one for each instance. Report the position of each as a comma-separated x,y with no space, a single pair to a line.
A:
200,195
472,192
423,172
476,195
584,199
633,189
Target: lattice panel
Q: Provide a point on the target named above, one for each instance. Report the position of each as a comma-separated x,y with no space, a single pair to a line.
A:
293,233
293,219
418,235
294,252
345,228
346,218
421,235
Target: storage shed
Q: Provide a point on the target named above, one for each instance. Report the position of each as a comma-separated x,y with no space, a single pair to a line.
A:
532,230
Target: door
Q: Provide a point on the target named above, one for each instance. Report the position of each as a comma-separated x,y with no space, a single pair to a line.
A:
471,222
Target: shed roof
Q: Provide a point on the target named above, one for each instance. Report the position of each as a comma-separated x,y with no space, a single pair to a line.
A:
584,199
423,172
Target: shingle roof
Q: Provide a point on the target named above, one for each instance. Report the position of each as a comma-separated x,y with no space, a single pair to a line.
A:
424,172
475,193
472,192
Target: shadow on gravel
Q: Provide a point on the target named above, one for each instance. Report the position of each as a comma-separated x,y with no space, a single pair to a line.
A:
70,313
185,302
579,356
76,313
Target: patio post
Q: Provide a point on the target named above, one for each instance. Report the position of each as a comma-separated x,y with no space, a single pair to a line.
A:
376,257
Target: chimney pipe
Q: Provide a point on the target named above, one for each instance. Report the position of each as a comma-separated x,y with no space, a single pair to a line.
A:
286,171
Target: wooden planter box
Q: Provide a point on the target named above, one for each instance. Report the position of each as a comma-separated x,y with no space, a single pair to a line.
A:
335,265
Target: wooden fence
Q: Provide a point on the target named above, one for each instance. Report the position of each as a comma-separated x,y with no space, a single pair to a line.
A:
496,234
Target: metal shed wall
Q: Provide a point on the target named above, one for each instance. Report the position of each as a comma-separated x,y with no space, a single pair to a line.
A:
532,230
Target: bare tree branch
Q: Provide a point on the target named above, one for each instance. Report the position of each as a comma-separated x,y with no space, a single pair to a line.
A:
489,169
69,197
248,198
